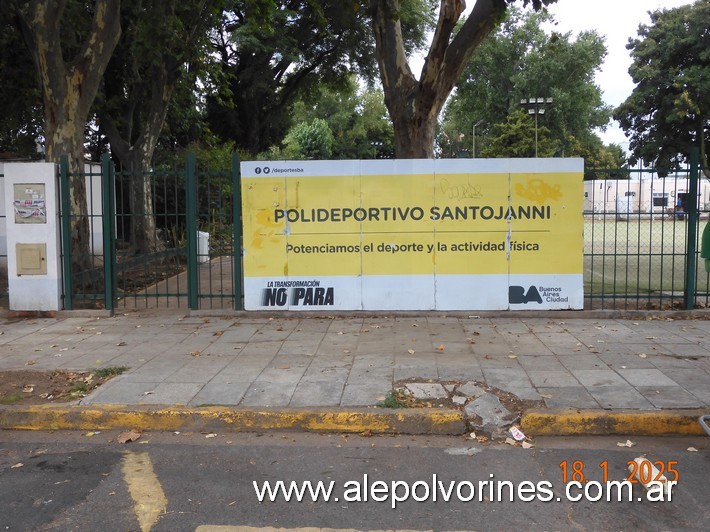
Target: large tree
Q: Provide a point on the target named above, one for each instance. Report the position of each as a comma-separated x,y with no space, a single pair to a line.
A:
520,60
21,117
163,44
414,104
71,44
668,111
272,52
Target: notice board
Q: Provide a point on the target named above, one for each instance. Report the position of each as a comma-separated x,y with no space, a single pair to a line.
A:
434,234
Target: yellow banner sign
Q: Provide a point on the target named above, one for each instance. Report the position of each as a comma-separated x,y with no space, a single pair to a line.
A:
407,235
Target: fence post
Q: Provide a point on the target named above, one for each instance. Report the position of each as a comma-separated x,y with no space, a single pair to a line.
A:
691,258
66,232
237,232
191,227
107,218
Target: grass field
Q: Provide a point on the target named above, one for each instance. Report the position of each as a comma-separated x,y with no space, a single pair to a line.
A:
637,257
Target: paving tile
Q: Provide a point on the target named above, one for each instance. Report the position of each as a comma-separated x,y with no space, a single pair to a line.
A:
598,377
539,363
620,397
646,377
552,379
582,362
318,393
220,393
507,378
567,397
365,394
265,393
669,397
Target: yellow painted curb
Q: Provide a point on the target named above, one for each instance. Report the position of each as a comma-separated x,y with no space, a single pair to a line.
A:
107,417
571,422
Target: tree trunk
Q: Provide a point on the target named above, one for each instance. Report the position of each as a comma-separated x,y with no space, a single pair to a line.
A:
68,90
135,157
414,105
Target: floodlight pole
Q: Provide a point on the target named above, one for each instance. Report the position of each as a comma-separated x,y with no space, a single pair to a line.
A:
536,106
473,150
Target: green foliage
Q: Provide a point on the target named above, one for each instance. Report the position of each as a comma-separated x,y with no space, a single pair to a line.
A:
310,140
394,399
668,111
10,399
520,61
357,118
272,53
516,138
104,373
21,115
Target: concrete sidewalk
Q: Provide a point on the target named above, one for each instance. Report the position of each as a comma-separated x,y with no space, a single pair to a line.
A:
645,365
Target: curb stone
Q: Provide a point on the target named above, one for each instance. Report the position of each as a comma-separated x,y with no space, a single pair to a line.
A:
434,421
571,422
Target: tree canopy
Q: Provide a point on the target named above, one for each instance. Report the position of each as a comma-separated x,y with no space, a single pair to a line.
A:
272,52
414,104
668,111
519,61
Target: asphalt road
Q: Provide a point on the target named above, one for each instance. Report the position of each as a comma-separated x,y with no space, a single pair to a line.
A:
174,482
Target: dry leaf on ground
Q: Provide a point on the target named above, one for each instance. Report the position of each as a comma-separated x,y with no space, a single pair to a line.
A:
128,436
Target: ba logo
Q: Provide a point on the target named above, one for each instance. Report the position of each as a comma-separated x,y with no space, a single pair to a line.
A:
518,295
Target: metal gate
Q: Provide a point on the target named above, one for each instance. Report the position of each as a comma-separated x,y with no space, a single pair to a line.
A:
180,247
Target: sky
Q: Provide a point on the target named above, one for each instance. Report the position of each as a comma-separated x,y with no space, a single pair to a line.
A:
617,21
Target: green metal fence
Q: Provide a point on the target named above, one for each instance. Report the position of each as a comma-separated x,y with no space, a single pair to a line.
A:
177,250
642,240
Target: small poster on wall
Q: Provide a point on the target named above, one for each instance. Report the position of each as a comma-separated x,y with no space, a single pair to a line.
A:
30,203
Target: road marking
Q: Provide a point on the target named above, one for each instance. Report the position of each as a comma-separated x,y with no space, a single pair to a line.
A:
145,489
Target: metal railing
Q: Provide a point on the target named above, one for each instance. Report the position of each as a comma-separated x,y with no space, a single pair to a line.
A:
172,248
642,241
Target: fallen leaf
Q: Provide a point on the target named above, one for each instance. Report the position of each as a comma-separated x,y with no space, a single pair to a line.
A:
195,353
29,388
340,333
128,436
90,434
643,355
511,441
210,435
527,445
30,363
692,450
284,366
19,464
218,333
473,435
512,356
411,351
